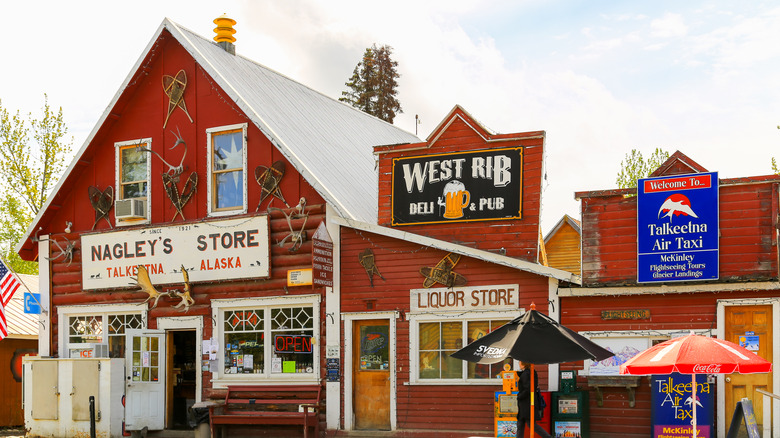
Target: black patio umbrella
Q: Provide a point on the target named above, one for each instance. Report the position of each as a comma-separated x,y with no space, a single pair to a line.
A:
533,338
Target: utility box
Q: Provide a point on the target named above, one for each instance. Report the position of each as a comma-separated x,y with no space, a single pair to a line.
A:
570,408
56,395
87,351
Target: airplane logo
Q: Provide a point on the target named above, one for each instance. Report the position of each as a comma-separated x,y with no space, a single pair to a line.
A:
676,205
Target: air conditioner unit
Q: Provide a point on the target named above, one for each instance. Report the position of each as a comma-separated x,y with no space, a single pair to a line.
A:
130,209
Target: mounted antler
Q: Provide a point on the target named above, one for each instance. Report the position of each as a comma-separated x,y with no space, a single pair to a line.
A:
186,297
173,171
66,252
145,283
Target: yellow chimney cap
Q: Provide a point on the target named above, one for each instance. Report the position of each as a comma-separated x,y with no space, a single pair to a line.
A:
224,29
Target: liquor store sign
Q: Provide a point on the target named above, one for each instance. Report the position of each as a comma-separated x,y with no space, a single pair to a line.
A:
466,186
677,228
209,251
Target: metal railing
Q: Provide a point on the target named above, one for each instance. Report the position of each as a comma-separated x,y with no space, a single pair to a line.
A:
768,396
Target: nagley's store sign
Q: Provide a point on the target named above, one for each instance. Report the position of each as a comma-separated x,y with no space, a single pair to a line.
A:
677,228
466,186
210,251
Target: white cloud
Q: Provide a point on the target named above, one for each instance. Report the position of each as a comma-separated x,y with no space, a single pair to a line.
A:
669,26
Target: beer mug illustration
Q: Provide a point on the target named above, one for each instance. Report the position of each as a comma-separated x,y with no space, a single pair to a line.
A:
456,198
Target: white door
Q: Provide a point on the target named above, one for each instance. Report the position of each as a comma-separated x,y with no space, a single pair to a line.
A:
145,384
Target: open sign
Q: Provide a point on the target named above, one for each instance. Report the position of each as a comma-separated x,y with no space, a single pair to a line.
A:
292,344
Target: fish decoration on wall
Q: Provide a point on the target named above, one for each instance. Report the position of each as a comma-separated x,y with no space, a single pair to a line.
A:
442,273
101,201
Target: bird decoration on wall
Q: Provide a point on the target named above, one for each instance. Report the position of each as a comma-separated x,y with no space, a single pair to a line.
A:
172,176
366,258
174,88
269,178
101,201
145,283
296,238
442,273
185,296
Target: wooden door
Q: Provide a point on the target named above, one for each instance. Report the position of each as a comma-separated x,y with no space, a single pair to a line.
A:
741,321
371,374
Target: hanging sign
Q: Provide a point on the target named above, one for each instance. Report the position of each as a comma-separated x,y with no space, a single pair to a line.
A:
210,251
459,187
322,257
673,405
677,228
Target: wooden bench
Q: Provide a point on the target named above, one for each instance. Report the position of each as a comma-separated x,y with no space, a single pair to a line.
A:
270,405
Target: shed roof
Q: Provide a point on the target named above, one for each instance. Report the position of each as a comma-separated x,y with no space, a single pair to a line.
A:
20,324
329,142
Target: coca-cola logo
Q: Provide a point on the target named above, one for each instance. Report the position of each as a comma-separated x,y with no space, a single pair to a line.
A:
706,369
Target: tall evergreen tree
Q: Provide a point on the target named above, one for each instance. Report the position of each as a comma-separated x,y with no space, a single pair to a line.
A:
373,87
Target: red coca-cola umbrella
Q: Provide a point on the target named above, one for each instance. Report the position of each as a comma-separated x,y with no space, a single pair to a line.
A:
695,354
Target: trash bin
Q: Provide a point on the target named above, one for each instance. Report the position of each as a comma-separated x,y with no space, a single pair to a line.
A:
199,418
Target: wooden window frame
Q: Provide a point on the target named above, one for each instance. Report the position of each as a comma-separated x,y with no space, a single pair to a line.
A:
118,195
212,174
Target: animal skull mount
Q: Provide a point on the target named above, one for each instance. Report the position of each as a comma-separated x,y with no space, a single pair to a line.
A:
172,176
296,238
101,201
145,283
66,252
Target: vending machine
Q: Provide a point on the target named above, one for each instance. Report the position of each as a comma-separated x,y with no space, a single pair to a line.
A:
570,417
505,407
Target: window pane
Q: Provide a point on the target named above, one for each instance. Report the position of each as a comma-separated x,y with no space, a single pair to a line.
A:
244,341
134,190
476,330
429,336
229,189
133,173
85,329
374,347
292,333
429,365
437,341
228,151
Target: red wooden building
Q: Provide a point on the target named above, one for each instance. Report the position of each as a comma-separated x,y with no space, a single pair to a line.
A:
612,304
483,236
193,233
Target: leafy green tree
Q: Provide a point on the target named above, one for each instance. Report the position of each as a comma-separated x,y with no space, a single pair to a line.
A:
635,166
32,157
373,87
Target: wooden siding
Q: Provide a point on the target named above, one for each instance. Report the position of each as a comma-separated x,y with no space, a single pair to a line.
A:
563,249
420,406
11,413
675,312
748,242
140,114
519,238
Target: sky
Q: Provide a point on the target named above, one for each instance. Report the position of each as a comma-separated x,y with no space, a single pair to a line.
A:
600,78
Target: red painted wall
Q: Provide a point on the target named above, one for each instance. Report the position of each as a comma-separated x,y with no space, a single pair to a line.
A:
520,238
427,407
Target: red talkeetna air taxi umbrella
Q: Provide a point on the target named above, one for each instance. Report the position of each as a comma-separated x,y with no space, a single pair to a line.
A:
695,354
534,338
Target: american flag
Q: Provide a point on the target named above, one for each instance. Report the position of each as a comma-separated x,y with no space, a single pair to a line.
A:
9,283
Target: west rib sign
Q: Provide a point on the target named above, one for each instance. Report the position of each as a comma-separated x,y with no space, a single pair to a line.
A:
677,228
458,187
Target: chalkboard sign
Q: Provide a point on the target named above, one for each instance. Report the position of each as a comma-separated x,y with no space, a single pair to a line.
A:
743,411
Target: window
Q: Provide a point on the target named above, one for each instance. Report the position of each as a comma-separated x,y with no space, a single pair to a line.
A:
106,328
437,340
268,338
227,170
133,173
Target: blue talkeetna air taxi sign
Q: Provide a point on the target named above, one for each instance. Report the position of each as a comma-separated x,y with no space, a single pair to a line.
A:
677,228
